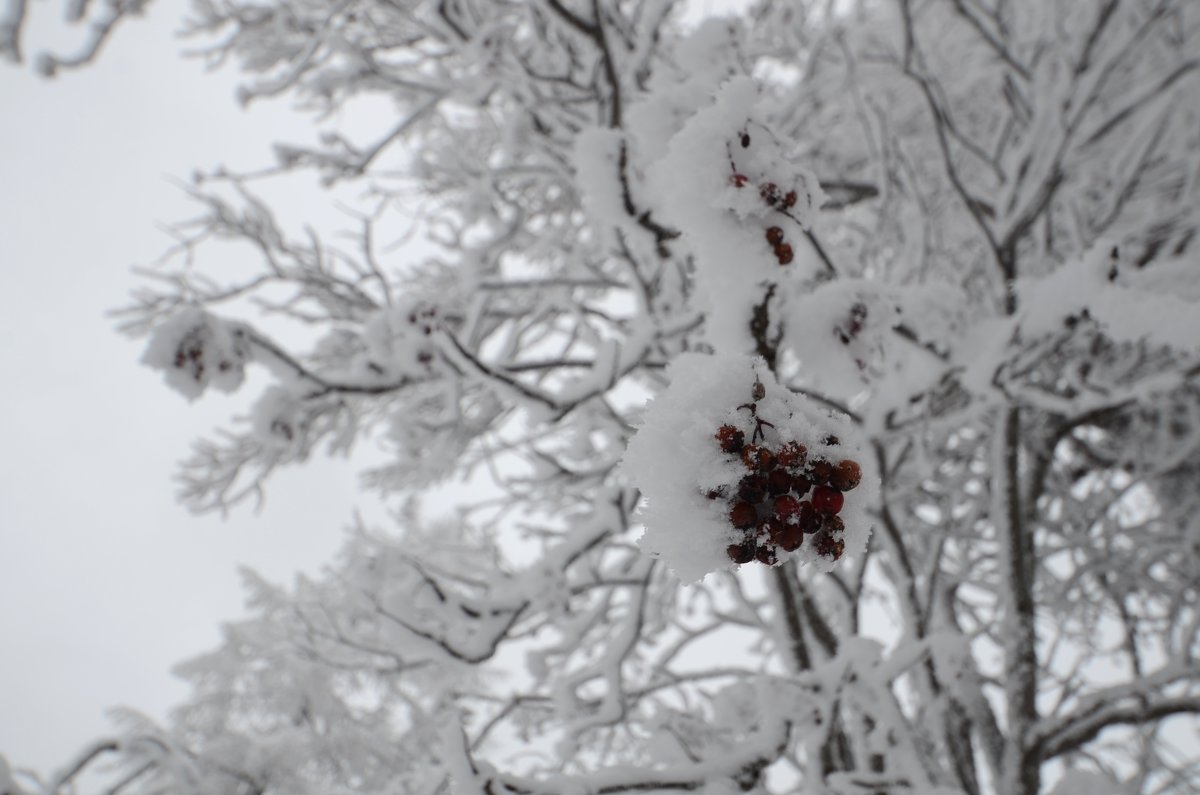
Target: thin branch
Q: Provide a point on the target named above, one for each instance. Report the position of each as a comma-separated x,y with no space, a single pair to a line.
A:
991,40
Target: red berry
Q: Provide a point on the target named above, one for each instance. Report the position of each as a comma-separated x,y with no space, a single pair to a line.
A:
846,475
834,526
741,553
739,180
820,471
766,555
828,546
788,537
774,235
790,199
730,438
773,529
759,458
808,520
779,481
714,494
753,488
750,456
743,515
791,454
786,506
827,500
769,192
784,253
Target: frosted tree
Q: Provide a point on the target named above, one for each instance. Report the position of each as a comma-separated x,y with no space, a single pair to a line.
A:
827,379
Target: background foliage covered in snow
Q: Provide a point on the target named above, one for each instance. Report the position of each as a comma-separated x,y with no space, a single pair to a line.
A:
990,285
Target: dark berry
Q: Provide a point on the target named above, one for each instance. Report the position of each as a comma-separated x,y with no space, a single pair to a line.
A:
730,438
831,440
801,485
769,192
739,180
758,458
741,553
779,482
743,515
791,454
834,526
774,235
828,546
766,555
846,475
827,500
714,494
784,253
790,199
786,506
808,520
772,528
750,456
753,488
745,140
820,471
788,537
759,391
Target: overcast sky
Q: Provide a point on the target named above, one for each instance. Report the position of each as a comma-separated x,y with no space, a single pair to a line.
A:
105,582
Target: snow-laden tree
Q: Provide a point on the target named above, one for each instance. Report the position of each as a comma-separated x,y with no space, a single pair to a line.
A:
697,279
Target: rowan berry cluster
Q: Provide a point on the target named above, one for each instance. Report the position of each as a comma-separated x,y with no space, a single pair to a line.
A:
784,497
190,356
426,318
775,198
783,251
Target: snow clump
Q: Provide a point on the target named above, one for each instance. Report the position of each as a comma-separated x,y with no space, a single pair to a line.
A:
195,350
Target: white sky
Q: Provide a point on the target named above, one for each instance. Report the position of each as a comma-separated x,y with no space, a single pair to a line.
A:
104,581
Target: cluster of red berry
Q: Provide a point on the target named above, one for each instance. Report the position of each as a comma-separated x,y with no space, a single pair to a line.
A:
768,504
190,355
425,317
774,198
783,251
